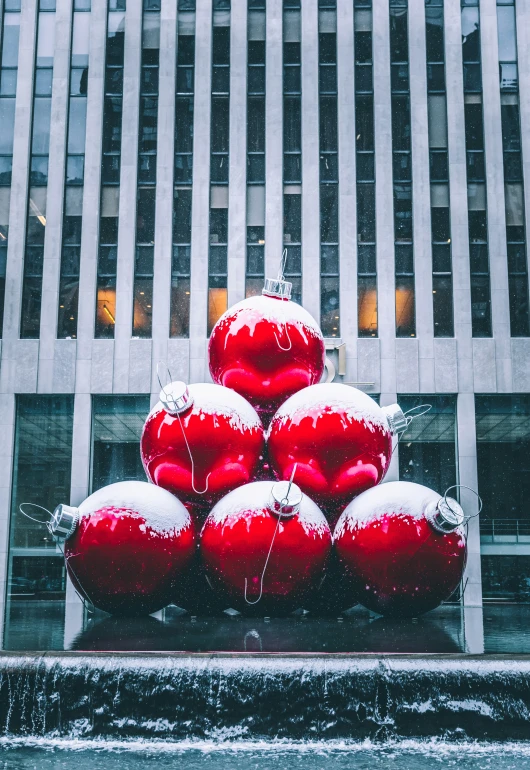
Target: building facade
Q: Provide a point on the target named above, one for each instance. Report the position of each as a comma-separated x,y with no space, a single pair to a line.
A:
157,157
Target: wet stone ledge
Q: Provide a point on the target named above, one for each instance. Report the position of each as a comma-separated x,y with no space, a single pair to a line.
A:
185,696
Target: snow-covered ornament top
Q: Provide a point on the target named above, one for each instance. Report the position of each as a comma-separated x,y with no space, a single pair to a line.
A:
340,438
267,347
200,441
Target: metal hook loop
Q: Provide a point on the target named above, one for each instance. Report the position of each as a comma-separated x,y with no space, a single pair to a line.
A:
286,350
282,506
464,486
163,387
411,414
37,521
197,491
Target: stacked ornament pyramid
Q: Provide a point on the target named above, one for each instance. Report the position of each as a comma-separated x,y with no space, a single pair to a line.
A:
249,475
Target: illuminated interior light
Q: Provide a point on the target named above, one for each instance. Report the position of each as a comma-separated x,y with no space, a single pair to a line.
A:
107,311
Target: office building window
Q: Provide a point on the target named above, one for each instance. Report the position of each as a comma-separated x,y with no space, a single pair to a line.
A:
402,169
476,171
74,179
38,177
513,171
427,449
9,41
220,135
365,167
41,475
146,192
329,175
442,274
292,238
110,176
184,108
255,267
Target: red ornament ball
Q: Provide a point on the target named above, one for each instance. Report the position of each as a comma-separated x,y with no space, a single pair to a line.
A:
216,427
340,439
266,348
132,542
402,548
237,537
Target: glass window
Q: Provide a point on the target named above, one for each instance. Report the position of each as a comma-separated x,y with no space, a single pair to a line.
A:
503,446
506,32
10,40
117,423
41,475
427,449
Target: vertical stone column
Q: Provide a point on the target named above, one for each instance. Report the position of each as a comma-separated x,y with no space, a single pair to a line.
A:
91,195
421,200
467,474
500,304
55,195
458,194
200,213
164,185
522,13
127,205
7,426
384,201
347,184
310,161
392,473
79,490
273,136
19,194
237,190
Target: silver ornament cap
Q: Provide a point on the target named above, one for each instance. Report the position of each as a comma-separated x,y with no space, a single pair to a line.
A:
176,397
64,521
277,287
285,499
445,516
397,422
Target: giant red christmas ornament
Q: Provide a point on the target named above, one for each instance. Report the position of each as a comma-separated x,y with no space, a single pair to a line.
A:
267,348
126,546
265,546
340,439
201,441
401,547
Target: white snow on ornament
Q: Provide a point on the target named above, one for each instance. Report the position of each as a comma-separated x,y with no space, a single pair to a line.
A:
398,498
253,310
216,399
245,503
161,511
332,397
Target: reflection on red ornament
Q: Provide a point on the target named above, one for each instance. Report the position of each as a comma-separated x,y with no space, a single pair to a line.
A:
402,548
237,537
128,546
267,348
339,437
201,441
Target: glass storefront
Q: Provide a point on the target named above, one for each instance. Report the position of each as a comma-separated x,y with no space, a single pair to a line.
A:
41,475
117,423
427,449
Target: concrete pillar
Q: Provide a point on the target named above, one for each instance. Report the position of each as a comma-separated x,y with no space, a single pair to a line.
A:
237,191
347,185
384,201
421,199
19,194
7,426
200,214
458,194
91,195
127,205
500,306
392,474
79,491
164,185
467,475
273,136
55,195
310,161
